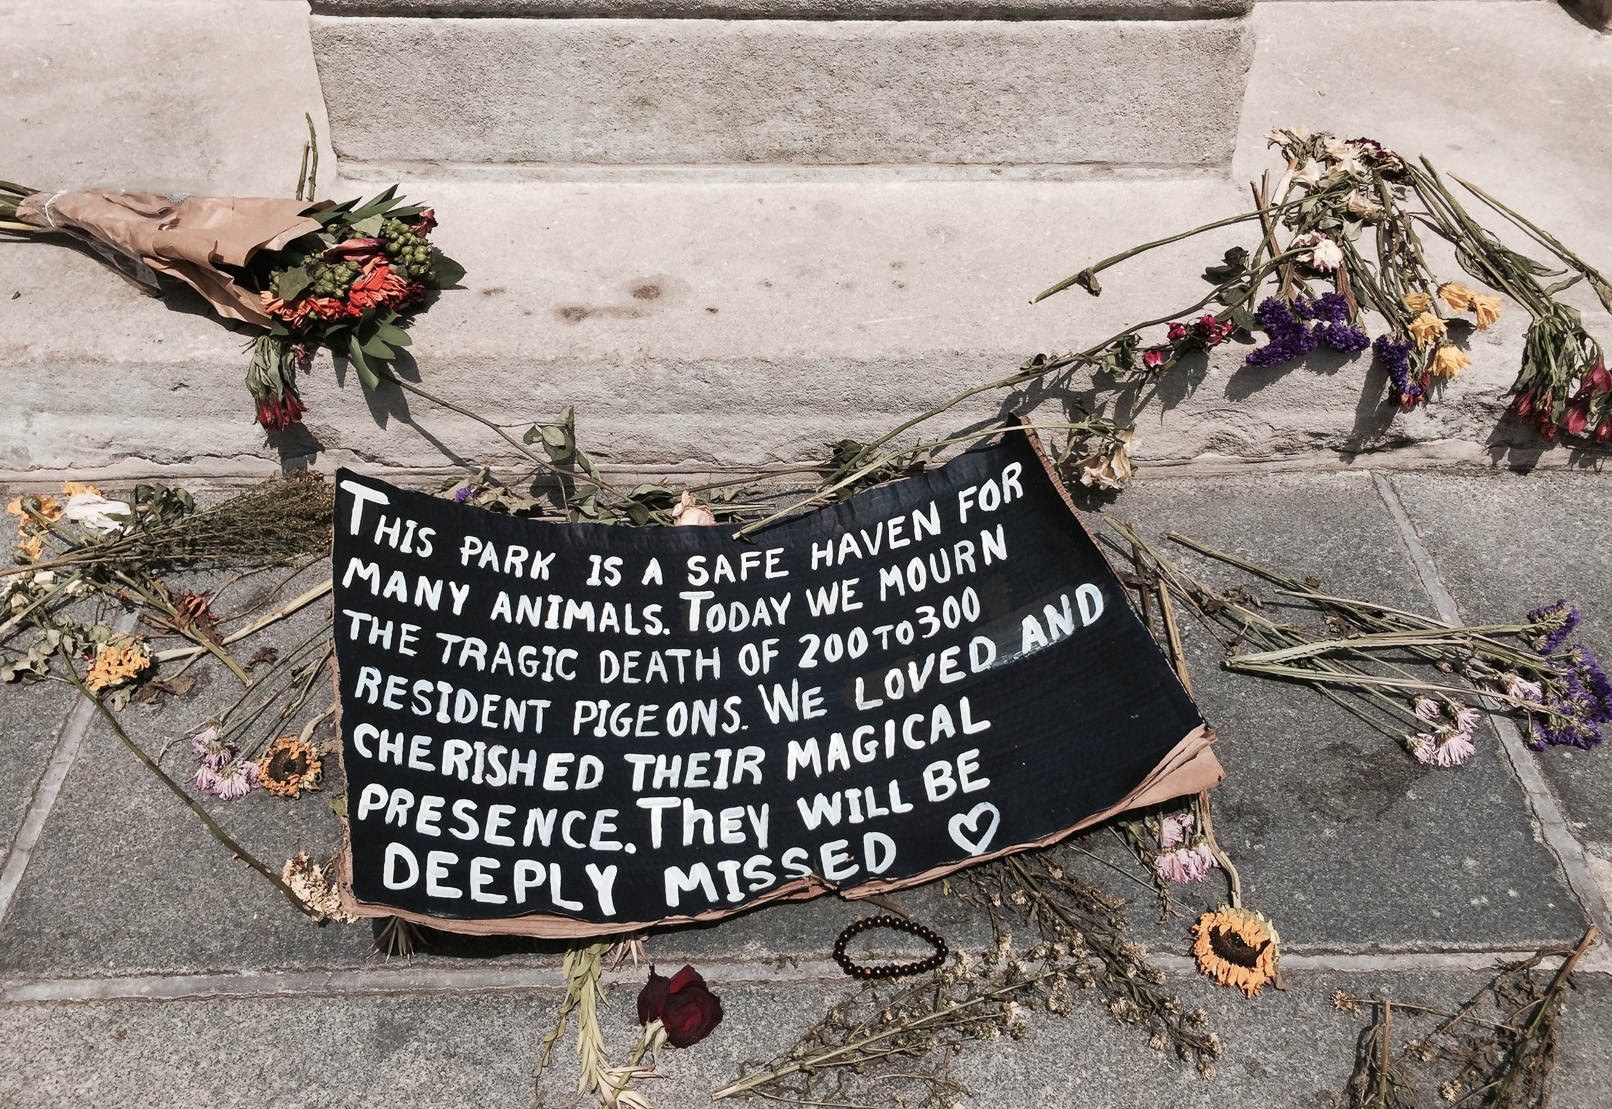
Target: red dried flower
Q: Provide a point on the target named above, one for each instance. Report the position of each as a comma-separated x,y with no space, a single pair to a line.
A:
279,413
1578,417
684,1006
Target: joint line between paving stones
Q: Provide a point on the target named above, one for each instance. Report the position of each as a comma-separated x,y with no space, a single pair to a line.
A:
48,789
387,982
1547,813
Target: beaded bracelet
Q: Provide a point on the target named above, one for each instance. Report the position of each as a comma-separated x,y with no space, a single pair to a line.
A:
893,970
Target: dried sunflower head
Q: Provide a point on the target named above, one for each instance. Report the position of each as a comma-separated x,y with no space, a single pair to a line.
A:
289,766
1237,947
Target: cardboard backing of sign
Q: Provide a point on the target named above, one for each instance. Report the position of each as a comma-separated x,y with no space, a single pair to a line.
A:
1048,536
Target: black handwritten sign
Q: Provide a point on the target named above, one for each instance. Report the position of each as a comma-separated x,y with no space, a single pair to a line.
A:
572,728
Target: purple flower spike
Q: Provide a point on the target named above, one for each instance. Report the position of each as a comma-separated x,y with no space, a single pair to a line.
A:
1340,336
462,495
1290,339
1552,625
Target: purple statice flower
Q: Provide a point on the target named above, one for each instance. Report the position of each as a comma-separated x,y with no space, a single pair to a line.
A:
1326,308
1552,625
460,496
1340,336
1580,703
1394,355
1588,679
1289,338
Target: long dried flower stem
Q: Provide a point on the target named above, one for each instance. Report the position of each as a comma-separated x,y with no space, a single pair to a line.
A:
254,627
546,464
939,1017
202,814
883,460
154,599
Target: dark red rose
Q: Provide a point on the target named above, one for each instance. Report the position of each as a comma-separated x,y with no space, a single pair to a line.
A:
688,1010
1523,404
1578,417
652,998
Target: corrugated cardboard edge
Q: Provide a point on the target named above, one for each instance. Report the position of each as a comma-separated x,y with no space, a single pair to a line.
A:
1189,768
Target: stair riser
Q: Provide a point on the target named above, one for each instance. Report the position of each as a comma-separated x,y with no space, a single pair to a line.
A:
700,91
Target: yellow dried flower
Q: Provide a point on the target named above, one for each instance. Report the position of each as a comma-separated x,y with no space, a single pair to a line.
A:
1426,327
1458,297
1488,310
1450,360
288,767
1238,948
1418,302
114,665
46,507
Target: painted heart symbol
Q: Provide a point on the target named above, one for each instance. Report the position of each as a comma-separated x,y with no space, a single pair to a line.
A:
966,832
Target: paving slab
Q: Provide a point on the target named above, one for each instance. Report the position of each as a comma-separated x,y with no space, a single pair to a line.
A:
124,876
456,1050
1345,840
32,719
1506,543
1342,837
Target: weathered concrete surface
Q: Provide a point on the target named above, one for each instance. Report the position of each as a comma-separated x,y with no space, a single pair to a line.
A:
201,96
629,91
1338,833
793,9
428,1050
846,298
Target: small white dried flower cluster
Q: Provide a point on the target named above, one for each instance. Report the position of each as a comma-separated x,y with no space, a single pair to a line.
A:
1109,468
307,880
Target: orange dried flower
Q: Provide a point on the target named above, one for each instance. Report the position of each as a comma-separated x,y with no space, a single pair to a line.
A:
1238,948
1418,302
289,766
47,507
1458,297
1426,328
1450,360
32,550
73,489
114,665
1487,309
378,285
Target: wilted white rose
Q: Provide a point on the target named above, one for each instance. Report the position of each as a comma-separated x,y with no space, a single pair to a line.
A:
95,512
688,513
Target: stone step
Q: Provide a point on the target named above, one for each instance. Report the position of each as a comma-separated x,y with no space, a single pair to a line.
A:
816,333
1051,91
719,325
